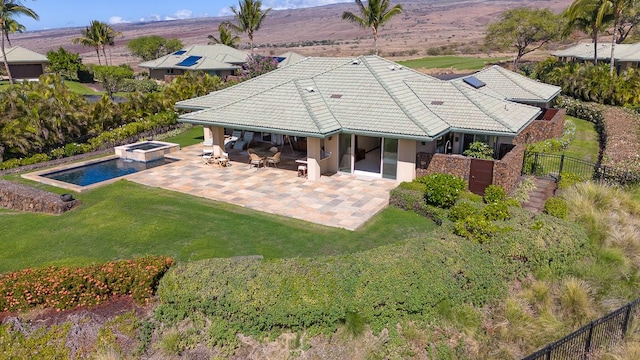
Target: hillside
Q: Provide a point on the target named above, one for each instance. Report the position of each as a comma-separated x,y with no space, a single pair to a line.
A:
424,24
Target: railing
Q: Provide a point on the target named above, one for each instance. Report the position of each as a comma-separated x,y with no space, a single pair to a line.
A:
555,165
596,336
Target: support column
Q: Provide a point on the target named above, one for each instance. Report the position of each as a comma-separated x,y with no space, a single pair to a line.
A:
406,168
217,134
313,158
208,136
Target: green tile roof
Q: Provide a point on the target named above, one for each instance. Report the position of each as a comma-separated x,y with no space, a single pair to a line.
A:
512,86
20,55
214,57
366,95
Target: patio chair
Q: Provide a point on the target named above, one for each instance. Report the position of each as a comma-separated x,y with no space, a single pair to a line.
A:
274,160
255,159
230,141
245,142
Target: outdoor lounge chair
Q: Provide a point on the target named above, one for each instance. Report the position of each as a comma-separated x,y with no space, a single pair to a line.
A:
245,142
230,141
255,159
274,160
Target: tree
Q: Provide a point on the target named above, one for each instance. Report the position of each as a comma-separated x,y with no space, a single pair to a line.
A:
249,17
583,16
152,47
257,65
373,16
112,77
226,37
525,29
617,9
629,23
9,9
11,26
65,63
98,35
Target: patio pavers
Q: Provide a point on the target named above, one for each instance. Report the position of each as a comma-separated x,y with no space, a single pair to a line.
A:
340,200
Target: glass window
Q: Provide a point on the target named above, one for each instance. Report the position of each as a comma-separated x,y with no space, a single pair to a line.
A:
390,159
344,148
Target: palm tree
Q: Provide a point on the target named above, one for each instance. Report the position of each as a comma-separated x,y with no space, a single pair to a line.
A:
583,15
617,9
11,26
374,16
9,9
227,37
98,35
249,17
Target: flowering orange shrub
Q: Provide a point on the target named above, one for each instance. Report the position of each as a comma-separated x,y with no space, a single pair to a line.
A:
64,287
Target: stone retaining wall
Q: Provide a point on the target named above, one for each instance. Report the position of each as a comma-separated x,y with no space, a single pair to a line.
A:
507,170
550,126
458,165
25,198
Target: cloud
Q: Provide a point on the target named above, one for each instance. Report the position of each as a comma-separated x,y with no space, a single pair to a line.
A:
152,17
297,4
117,20
180,14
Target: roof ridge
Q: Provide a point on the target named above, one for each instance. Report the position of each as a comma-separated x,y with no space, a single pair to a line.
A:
482,108
311,113
395,99
406,82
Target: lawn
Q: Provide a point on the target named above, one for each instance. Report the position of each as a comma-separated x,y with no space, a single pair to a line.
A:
446,62
80,88
126,220
585,145
193,136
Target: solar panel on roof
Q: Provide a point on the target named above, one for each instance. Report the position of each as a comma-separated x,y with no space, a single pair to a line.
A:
474,81
179,52
189,61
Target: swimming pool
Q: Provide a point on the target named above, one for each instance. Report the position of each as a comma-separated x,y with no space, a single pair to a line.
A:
90,174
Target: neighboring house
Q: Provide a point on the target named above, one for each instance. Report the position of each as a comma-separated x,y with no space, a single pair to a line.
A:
24,63
626,55
220,60
288,58
365,116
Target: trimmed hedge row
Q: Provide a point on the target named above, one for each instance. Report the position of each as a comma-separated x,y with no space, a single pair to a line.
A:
65,287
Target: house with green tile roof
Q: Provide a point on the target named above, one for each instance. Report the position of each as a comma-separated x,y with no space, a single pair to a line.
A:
24,63
217,59
626,55
372,115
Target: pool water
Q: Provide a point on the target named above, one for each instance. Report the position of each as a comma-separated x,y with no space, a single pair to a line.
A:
104,170
145,146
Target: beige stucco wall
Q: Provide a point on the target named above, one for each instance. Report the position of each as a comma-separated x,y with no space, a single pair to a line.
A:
313,157
406,170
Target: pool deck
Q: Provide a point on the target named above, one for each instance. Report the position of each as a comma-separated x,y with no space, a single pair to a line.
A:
340,200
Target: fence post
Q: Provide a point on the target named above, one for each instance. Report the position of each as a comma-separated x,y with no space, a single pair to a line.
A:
587,345
561,165
535,163
625,323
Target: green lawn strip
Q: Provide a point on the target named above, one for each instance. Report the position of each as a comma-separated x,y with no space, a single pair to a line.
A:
125,220
585,145
80,88
194,136
455,62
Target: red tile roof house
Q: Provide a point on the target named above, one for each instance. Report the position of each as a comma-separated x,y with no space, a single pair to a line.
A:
381,119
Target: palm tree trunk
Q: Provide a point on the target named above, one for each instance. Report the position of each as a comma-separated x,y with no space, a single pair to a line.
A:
4,56
595,45
375,39
104,53
250,35
613,45
98,53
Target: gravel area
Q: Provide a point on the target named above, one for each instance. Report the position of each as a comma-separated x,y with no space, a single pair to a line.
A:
623,140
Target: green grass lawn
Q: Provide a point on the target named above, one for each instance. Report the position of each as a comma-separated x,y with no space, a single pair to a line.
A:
80,88
193,136
125,220
446,62
585,145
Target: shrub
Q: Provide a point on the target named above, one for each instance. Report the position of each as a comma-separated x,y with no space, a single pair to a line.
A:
497,211
406,199
479,150
476,228
556,207
468,195
65,288
461,210
413,185
442,190
567,180
494,193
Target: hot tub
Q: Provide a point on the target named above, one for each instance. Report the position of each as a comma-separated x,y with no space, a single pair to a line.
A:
145,151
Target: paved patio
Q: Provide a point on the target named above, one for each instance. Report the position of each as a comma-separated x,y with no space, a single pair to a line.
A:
340,200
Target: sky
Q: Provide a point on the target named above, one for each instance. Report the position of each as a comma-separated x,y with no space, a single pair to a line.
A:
73,13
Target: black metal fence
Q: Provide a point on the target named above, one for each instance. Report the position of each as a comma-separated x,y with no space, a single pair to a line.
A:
557,165
592,338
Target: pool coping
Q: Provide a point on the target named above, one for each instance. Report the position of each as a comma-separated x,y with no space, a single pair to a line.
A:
37,175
